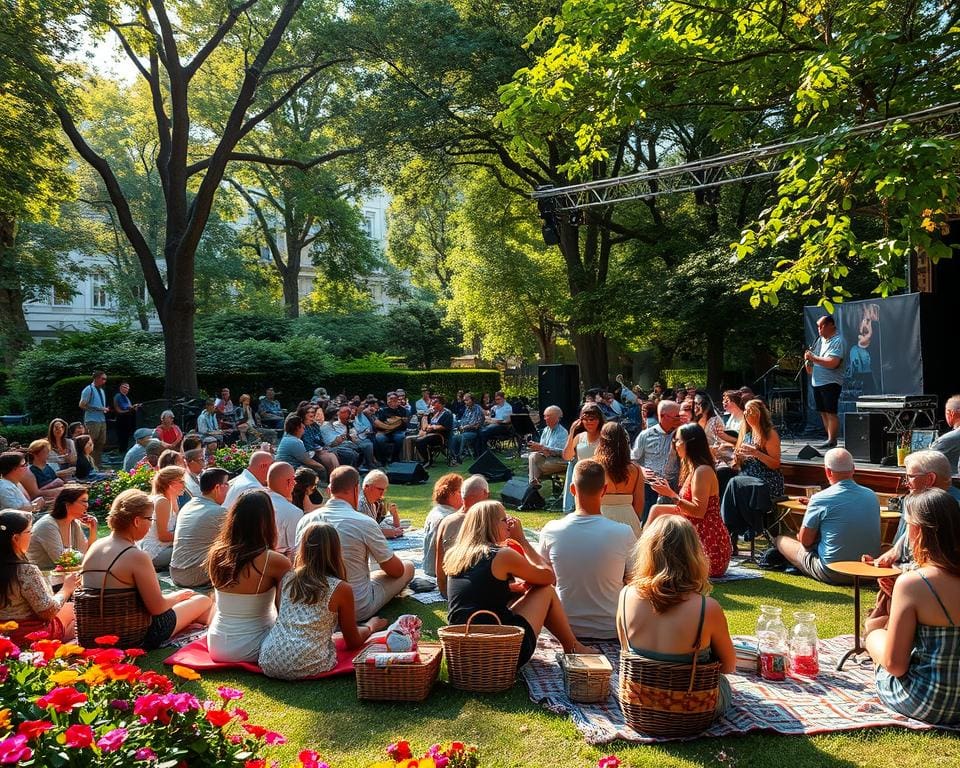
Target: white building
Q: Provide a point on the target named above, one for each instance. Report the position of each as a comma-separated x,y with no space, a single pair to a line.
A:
57,312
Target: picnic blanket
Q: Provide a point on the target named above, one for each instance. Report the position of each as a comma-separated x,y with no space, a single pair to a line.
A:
195,655
410,547
737,571
835,701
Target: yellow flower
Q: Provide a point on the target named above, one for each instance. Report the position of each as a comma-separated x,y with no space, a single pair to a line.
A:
185,672
94,676
4,720
68,649
65,677
8,626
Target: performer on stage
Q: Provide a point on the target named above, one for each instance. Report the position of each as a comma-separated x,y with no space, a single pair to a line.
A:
825,367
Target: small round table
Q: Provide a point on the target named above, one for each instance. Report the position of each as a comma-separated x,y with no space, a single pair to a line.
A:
859,571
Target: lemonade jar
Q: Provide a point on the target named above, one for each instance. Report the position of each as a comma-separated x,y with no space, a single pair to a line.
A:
772,643
804,660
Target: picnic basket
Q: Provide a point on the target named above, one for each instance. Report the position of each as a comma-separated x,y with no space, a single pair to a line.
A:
586,677
400,682
481,658
669,699
117,612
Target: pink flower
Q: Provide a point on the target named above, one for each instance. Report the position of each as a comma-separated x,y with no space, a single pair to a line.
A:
311,759
274,739
14,749
113,740
229,694
145,753
62,699
610,761
79,736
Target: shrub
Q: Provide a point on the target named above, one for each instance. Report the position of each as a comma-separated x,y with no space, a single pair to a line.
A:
23,433
233,458
447,382
676,378
104,492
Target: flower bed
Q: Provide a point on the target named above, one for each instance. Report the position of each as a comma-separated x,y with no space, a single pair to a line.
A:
104,492
233,458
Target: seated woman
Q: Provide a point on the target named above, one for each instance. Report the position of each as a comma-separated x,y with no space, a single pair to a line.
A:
480,567
721,444
315,599
63,528
168,433
306,491
750,495
63,451
917,651
447,499
699,497
13,495
245,569
623,501
42,480
664,612
167,486
116,562
25,595
86,469
732,403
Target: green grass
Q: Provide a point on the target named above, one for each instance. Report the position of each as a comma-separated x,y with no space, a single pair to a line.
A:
513,731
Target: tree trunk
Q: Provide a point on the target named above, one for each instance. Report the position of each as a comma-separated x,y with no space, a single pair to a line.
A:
715,362
180,348
14,333
290,275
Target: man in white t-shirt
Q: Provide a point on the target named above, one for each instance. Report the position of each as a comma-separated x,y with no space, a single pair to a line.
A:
254,477
360,540
280,481
590,555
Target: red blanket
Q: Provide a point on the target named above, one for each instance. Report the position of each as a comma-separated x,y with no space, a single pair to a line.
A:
196,656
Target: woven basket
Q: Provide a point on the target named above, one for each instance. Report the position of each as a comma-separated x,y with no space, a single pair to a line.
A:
117,612
668,699
586,677
400,682
483,658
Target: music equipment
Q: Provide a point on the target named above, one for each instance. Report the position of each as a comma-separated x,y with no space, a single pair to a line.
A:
491,468
865,436
876,403
406,473
559,385
808,452
520,495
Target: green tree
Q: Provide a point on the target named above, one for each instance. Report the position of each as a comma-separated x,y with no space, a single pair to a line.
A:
417,331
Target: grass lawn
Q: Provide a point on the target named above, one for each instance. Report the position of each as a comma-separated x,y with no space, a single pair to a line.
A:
513,731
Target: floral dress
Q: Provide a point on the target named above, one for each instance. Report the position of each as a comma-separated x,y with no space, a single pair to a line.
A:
713,534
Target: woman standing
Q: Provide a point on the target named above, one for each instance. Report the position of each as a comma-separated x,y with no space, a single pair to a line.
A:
25,596
699,497
245,569
581,444
63,528
166,488
623,500
62,449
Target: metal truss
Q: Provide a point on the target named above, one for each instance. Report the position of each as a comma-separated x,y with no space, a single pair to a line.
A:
720,170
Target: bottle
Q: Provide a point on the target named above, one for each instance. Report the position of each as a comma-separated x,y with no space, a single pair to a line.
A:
772,643
804,660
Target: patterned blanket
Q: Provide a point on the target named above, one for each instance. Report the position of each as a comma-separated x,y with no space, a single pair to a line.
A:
410,547
836,701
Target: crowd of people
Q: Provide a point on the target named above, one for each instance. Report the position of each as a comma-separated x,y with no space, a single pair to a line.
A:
292,556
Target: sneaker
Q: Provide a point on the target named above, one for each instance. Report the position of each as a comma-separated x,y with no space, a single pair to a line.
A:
827,444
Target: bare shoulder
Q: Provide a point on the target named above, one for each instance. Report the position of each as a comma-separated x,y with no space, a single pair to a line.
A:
278,564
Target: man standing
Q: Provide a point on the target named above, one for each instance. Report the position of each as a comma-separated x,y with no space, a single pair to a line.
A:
198,523
545,456
497,423
360,539
654,451
280,480
824,365
126,411
842,522
254,477
93,403
590,555
949,444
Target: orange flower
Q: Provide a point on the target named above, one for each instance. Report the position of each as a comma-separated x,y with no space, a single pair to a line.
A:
4,720
68,650
94,676
8,626
185,672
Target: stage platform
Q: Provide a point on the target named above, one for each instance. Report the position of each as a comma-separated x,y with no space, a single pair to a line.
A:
810,471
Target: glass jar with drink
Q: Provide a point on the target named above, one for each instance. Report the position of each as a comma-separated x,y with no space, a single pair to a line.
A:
804,660
772,643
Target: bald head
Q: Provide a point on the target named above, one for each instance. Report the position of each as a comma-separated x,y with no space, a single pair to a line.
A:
475,488
345,484
260,462
280,478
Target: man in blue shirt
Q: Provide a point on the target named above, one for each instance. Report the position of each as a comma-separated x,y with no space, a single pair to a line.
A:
824,365
545,456
293,451
93,403
842,522
470,423
497,423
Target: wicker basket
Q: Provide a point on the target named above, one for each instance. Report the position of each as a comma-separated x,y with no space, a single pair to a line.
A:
117,612
586,677
668,699
482,658
400,682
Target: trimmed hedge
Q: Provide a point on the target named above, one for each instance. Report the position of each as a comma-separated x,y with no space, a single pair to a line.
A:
23,433
444,381
678,377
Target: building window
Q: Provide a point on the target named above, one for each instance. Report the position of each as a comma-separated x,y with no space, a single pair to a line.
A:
367,224
100,296
61,297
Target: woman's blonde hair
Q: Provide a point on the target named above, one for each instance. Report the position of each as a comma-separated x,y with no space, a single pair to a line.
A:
127,507
478,535
318,559
166,477
766,423
670,563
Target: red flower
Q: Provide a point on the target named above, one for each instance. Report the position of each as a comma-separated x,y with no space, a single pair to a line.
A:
135,652
79,736
40,634
257,731
218,717
127,672
8,648
255,764
106,640
400,751
610,761
156,682
62,699
33,729
47,647
457,746
241,714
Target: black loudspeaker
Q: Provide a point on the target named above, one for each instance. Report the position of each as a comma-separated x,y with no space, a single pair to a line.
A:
406,473
520,495
491,468
808,452
864,436
559,385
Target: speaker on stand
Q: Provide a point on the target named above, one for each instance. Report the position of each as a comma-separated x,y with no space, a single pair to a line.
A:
559,384
864,435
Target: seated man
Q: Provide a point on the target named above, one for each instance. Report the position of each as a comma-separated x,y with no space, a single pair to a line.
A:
422,406
590,555
435,429
198,525
842,522
280,481
269,410
471,422
374,506
141,438
474,489
365,430
949,443
208,424
391,426
339,436
291,448
254,477
497,423
545,456
360,540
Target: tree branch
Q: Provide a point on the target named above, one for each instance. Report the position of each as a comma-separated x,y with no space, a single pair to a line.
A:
251,157
210,46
